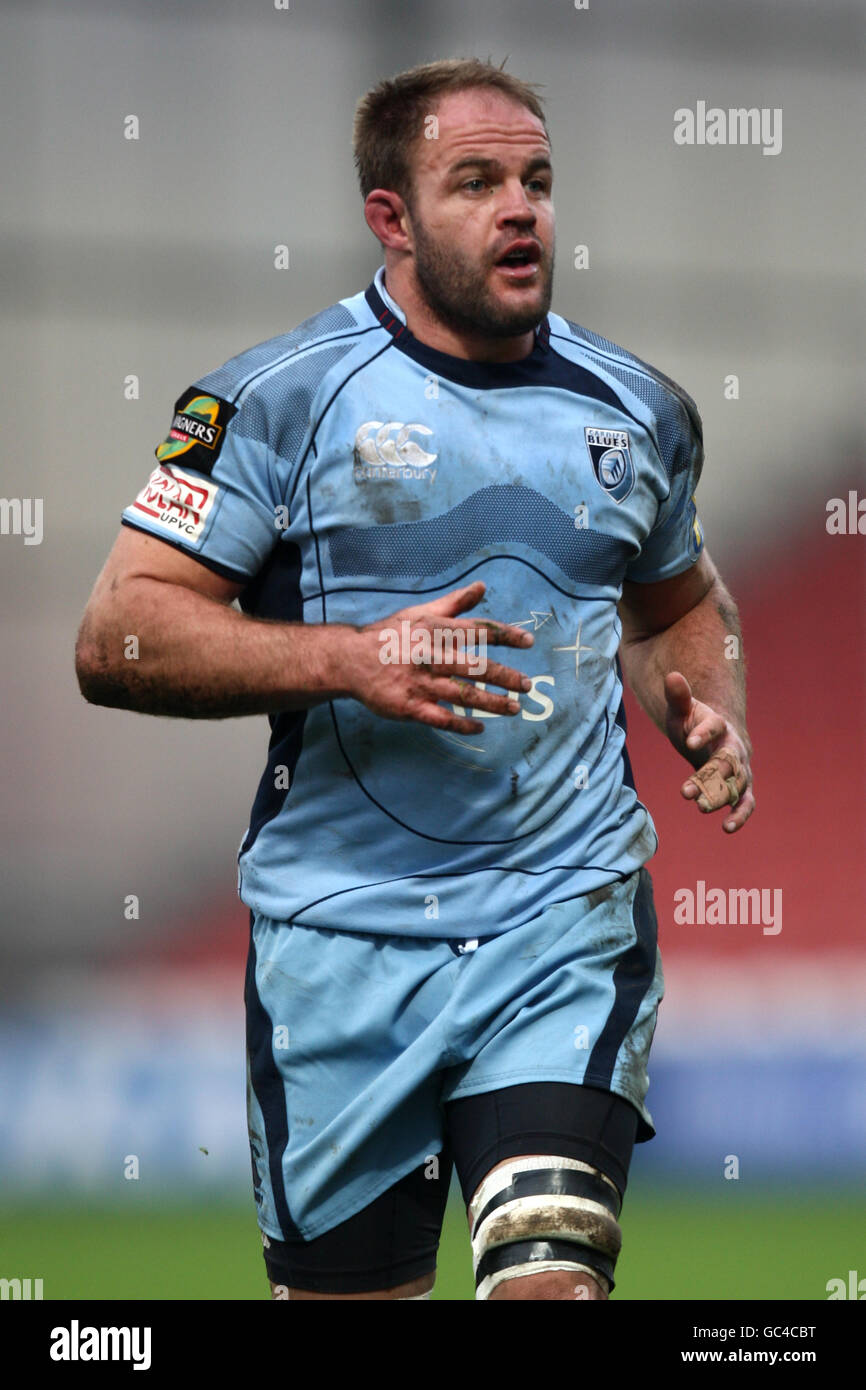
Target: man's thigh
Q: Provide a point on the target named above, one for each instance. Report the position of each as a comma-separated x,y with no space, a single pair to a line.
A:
386,1250
543,1168
497,1058
528,1143
346,1043
570,996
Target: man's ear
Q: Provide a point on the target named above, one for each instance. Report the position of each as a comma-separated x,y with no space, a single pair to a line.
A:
388,219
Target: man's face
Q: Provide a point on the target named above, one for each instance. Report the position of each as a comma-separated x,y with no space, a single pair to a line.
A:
481,192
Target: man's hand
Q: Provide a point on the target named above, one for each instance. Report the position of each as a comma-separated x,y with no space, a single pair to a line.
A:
715,748
405,690
202,659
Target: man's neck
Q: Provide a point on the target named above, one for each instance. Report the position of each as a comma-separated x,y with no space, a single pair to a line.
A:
429,329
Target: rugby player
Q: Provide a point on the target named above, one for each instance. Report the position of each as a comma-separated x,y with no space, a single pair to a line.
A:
453,519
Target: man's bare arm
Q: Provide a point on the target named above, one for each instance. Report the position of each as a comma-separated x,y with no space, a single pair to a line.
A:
674,654
198,657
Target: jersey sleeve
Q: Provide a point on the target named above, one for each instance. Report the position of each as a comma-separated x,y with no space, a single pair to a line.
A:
676,539
212,493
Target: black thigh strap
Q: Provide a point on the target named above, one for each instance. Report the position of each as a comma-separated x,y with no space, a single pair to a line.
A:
554,1182
520,1252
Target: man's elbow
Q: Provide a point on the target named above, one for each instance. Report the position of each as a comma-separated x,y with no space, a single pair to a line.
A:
100,679
92,681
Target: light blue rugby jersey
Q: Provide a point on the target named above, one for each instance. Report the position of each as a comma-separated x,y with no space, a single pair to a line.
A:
345,470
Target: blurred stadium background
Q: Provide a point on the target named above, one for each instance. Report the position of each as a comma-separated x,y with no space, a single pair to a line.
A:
155,257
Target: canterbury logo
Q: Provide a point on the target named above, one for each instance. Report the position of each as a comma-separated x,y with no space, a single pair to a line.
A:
386,449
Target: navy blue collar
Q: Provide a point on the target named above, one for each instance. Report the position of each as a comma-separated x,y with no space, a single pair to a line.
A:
459,369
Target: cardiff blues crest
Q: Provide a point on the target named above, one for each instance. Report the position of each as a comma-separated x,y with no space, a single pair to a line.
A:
611,460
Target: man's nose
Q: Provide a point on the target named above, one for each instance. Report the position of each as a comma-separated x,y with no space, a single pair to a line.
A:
515,206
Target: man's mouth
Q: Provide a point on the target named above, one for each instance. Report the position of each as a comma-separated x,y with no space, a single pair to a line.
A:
520,260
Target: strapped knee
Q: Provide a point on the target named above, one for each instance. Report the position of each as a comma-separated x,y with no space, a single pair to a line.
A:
544,1213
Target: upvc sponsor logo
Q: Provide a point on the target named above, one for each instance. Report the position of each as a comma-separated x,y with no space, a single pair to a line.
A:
178,501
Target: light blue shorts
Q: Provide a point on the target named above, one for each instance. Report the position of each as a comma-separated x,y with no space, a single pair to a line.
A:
355,1041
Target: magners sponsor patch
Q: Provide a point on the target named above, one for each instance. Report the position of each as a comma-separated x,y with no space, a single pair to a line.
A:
197,430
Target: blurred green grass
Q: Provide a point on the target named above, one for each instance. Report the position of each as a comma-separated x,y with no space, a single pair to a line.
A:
676,1245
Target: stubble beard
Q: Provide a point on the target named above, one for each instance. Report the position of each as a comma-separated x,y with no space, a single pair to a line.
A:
457,292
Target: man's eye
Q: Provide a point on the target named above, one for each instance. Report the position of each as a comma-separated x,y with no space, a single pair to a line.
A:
477,184
540,184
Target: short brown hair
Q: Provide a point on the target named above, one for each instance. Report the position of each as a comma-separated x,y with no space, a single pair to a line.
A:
390,118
